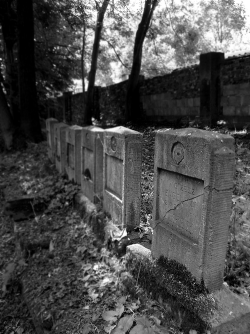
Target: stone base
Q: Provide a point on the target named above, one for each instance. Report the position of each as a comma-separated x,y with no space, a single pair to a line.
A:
221,312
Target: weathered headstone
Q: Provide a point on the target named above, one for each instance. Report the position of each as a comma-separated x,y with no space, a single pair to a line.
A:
194,172
73,153
92,163
122,176
60,146
50,123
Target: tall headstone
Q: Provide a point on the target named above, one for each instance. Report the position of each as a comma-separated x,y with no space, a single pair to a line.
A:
92,163
60,146
210,87
122,176
194,172
50,123
73,153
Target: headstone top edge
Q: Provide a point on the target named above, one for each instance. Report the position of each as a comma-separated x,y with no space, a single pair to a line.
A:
197,133
61,124
75,127
92,128
121,130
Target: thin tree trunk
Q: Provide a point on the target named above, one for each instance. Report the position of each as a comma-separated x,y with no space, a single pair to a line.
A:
6,122
83,64
132,99
90,94
30,123
8,20
83,59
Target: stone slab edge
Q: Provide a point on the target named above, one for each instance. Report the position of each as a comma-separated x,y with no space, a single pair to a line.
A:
227,313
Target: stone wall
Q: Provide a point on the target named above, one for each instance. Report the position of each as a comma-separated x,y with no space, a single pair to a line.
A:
173,95
235,100
112,101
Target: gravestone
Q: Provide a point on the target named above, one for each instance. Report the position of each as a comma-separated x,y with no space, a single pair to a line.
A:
92,163
60,146
194,172
50,123
122,176
73,153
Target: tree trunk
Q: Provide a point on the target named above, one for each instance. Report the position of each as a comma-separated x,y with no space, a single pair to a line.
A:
30,124
8,20
83,60
132,112
6,124
90,94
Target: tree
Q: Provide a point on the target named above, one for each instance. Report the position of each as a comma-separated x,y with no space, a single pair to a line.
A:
132,98
30,124
6,123
8,21
92,73
222,18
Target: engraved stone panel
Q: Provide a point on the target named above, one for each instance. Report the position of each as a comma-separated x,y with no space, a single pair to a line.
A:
58,133
71,156
73,153
180,204
88,163
92,163
114,176
133,181
50,123
122,176
194,171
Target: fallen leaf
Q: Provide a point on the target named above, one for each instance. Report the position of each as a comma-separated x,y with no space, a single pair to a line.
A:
133,306
110,316
105,281
156,320
119,309
121,300
51,246
124,325
86,329
138,329
81,249
85,278
95,317
143,321
21,262
109,328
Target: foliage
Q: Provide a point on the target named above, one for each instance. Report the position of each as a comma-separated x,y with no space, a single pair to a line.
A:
222,18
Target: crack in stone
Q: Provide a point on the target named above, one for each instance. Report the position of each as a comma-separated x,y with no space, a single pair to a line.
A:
172,209
190,199
219,190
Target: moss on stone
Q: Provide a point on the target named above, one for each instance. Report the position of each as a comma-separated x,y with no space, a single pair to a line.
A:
175,285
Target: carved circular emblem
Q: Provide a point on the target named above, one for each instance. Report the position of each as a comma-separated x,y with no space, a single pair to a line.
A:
113,143
178,153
